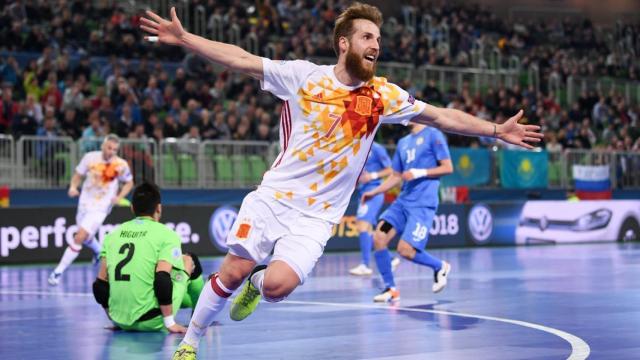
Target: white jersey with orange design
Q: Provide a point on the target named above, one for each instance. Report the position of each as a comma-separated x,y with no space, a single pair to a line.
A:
101,180
326,132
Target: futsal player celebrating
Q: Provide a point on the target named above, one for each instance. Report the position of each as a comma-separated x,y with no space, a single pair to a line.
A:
103,171
421,158
329,119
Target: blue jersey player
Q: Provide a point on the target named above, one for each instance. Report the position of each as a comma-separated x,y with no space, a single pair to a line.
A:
420,159
377,167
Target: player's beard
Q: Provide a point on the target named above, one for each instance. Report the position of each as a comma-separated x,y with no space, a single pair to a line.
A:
356,67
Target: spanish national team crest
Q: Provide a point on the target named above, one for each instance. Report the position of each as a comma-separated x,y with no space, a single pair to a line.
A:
243,229
363,105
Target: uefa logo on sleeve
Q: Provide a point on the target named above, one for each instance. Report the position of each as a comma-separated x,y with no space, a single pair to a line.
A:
220,224
480,223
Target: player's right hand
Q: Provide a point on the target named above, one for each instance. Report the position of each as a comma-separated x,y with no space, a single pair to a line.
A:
177,329
368,195
168,32
73,192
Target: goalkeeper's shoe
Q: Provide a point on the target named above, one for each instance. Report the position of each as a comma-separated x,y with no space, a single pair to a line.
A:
247,301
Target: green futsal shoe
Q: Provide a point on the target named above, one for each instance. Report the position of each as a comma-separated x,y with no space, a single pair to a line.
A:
247,301
184,352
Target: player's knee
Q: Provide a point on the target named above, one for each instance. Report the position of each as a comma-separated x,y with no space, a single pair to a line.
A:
363,226
381,235
275,292
80,237
232,277
406,251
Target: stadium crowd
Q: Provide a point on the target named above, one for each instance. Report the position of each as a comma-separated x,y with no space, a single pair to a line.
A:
61,91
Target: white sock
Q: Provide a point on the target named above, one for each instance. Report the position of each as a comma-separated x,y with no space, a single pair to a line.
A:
94,245
257,279
212,299
68,257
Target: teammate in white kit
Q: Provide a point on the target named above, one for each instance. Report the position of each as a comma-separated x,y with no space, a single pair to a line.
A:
103,171
329,119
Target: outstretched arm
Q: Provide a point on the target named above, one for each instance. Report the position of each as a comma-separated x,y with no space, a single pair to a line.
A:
230,56
459,122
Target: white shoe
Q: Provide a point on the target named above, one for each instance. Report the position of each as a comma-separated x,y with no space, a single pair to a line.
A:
361,270
54,278
440,277
387,295
395,262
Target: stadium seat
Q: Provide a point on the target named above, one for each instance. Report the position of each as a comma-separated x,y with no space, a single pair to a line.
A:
188,168
65,158
241,168
222,168
169,169
258,167
554,173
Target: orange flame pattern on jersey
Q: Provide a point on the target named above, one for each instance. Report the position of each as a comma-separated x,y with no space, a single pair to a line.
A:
105,173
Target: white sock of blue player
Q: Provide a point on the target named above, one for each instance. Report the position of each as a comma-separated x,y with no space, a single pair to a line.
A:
212,299
69,256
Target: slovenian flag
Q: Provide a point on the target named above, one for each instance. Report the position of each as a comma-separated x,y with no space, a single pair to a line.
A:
592,182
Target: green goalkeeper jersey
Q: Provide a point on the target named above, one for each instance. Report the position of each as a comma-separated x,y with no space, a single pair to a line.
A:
132,251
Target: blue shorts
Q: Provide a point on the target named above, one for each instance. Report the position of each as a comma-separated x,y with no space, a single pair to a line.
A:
413,224
369,210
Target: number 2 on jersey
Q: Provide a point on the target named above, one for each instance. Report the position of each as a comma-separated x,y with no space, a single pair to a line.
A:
130,249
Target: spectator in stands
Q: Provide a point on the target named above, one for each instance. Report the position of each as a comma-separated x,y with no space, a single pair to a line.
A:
222,130
8,109
170,127
69,125
154,93
91,134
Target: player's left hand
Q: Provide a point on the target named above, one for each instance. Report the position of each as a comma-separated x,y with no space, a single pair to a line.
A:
177,329
116,200
519,134
407,176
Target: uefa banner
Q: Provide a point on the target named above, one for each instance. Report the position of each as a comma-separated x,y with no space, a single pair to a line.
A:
29,235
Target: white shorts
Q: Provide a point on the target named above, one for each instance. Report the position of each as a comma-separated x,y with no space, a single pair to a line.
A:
90,220
264,223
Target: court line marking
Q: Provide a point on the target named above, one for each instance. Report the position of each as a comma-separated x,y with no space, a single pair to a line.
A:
579,348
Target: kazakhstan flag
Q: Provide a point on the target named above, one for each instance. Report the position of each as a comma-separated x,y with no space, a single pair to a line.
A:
471,167
523,169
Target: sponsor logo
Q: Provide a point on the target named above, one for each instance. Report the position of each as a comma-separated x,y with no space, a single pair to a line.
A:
480,221
220,224
544,223
59,235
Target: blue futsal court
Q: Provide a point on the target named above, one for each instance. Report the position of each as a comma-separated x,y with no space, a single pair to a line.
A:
545,302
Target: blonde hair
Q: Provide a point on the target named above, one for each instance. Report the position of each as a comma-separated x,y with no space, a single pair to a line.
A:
344,22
